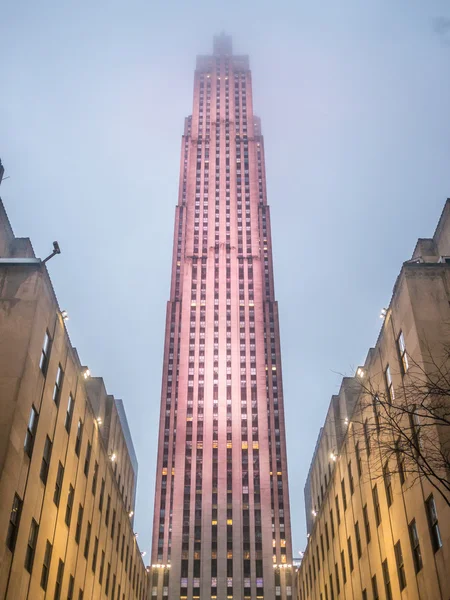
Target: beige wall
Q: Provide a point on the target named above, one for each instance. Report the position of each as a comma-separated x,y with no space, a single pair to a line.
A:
28,308
420,309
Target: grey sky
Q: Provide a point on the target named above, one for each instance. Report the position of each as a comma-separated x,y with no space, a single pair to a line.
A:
354,98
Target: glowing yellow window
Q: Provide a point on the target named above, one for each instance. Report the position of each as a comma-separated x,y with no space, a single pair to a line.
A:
283,558
229,554
229,521
283,543
255,445
213,522
173,470
229,445
164,471
193,303
274,368
244,445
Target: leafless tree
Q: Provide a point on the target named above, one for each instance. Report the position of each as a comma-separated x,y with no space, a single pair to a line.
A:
407,427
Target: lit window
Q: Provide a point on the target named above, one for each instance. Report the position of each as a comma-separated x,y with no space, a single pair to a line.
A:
402,352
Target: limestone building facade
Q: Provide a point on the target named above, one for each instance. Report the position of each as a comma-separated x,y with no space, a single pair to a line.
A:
376,529
67,464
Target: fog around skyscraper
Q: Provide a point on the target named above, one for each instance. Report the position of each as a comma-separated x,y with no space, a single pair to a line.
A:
354,102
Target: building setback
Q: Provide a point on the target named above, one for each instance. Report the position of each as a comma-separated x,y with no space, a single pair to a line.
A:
376,530
67,464
221,523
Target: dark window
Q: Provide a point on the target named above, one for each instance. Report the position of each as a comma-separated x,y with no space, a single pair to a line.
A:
400,565
366,523
108,509
350,553
344,571
388,484
45,353
46,460
79,524
376,505
31,546
58,384
87,460
94,478
69,414
58,484
366,437
387,580
358,460
375,588
79,438
344,497
71,588
59,580
358,540
102,567
102,495
94,555
338,513
46,565
433,524
338,583
108,575
87,540
113,524
31,431
14,520
69,505
350,478
415,546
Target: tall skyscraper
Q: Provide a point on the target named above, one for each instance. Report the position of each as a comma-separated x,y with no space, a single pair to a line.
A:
222,524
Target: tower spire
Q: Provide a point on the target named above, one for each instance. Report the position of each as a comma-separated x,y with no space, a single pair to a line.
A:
222,44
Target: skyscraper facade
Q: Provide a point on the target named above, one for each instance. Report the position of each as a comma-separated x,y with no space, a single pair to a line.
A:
222,524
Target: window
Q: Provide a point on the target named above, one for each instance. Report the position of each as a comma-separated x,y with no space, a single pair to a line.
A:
404,363
69,414
45,353
436,540
387,580
108,575
46,565
58,484
366,523
350,553
79,524
46,460
79,438
366,437
415,546
358,460
87,460
94,478
338,583
375,588
344,571
338,513
388,484
344,497
108,509
71,588
14,520
350,477
102,567
364,594
31,431
58,384
376,505
31,546
87,540
59,580
102,495
94,555
358,540
389,384
400,565
69,505
400,462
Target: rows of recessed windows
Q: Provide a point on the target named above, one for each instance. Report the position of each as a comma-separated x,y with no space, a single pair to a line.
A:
138,584
430,508
340,568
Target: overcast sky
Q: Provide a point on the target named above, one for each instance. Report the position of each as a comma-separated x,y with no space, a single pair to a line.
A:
354,98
